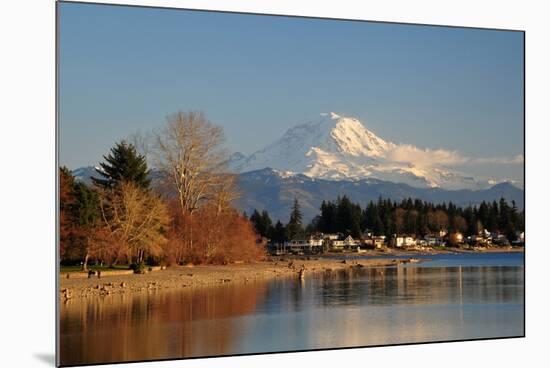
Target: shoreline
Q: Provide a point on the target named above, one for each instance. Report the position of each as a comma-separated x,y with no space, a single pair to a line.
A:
413,252
208,275
115,282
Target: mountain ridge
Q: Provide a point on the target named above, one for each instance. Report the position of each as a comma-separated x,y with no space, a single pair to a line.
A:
268,189
275,190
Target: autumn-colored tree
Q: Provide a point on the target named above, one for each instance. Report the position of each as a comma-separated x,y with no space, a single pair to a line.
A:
399,220
189,152
85,210
218,237
134,222
66,219
438,220
79,212
224,192
459,224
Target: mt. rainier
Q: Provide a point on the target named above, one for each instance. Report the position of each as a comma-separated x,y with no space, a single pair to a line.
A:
341,148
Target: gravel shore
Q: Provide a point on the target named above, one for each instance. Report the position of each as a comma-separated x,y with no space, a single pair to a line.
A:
199,276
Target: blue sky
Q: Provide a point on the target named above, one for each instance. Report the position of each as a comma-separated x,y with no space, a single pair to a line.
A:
124,69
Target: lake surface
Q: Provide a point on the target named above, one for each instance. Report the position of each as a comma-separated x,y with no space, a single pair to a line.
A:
450,297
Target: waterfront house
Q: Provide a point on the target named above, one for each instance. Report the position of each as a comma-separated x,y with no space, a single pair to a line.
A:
421,243
477,240
485,233
500,240
379,241
337,244
367,243
309,245
520,238
350,243
402,241
341,243
434,240
331,236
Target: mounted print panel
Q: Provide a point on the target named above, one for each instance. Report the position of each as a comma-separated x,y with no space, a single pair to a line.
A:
235,183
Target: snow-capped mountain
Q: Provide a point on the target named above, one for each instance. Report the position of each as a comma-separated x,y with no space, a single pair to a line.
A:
335,147
85,174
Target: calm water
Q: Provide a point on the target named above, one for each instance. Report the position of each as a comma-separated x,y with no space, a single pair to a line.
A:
449,298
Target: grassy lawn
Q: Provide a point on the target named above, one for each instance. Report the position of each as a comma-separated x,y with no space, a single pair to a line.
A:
78,268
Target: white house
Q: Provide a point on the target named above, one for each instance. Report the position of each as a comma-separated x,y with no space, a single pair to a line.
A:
350,241
300,245
404,241
379,241
520,238
434,240
331,236
339,244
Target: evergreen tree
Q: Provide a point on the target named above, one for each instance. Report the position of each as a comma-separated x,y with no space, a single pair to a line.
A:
123,163
507,217
312,227
372,220
256,220
79,208
294,227
267,224
279,233
493,219
262,223
86,204
378,227
471,217
348,220
483,215
413,217
328,219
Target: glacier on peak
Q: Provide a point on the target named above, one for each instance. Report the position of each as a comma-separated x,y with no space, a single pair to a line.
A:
337,147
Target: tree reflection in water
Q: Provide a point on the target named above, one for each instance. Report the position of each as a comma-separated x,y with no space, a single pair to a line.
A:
354,307
157,325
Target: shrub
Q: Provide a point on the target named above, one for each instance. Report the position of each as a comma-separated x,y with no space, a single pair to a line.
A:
138,268
212,237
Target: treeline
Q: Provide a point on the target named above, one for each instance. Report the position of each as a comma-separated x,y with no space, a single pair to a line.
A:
387,217
187,216
279,233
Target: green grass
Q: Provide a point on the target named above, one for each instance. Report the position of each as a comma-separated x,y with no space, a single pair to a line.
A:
78,268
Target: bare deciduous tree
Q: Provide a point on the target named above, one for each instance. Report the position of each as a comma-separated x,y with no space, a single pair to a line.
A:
189,151
224,192
141,142
399,220
438,220
133,222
